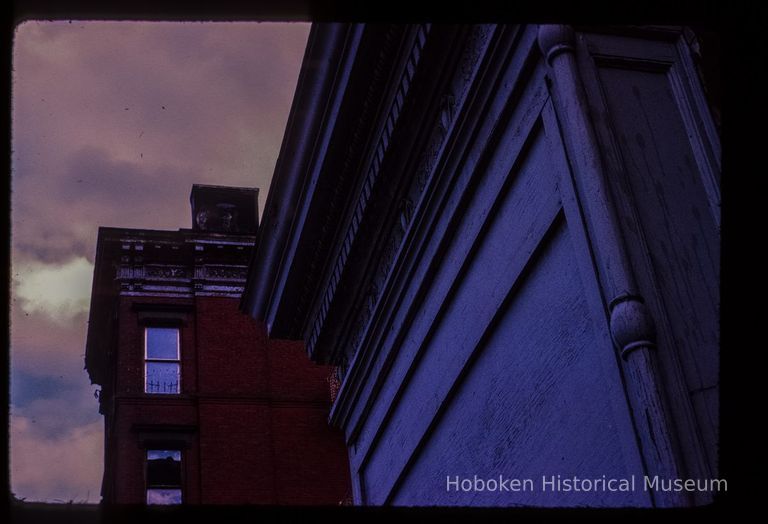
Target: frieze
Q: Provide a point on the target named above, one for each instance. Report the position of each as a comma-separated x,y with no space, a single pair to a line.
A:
477,41
176,274
371,176
226,272
354,145
166,272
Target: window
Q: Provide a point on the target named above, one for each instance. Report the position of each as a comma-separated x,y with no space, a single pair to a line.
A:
162,370
163,476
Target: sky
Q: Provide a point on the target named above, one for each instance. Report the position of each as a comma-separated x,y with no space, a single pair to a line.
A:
112,123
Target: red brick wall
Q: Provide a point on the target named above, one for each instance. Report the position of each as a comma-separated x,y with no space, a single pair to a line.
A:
307,451
236,453
130,354
130,456
260,408
231,349
307,456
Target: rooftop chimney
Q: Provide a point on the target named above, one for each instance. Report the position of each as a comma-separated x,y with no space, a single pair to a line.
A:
228,210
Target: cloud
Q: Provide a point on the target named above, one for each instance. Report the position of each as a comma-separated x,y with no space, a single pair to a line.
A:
89,190
63,467
43,346
72,407
180,93
27,387
112,123
60,291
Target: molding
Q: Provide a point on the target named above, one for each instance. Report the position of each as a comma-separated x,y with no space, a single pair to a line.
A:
671,58
325,70
472,140
152,435
450,102
157,264
631,325
162,307
433,231
374,162
655,32
248,243
174,428
160,402
555,40
181,280
168,294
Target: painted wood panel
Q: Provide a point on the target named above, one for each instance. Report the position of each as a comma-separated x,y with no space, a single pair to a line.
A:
442,344
485,291
672,205
671,219
534,403
485,113
437,266
438,351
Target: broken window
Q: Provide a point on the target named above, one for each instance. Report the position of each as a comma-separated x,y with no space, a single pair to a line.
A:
163,477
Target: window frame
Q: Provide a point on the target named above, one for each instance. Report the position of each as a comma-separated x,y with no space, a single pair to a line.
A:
180,485
148,359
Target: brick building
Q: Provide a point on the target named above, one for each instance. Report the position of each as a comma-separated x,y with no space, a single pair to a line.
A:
200,406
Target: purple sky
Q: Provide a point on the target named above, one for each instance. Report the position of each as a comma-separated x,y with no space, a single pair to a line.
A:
112,124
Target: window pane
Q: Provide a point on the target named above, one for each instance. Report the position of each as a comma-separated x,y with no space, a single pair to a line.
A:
163,469
162,377
154,454
163,343
163,496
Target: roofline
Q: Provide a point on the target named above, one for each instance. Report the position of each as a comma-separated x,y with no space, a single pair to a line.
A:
325,47
233,189
159,232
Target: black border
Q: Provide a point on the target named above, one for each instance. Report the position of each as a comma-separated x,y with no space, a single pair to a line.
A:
741,27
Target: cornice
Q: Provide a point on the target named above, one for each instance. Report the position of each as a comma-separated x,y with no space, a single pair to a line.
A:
372,169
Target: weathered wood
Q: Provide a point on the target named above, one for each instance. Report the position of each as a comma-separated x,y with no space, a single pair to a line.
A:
488,296
533,403
459,313
614,268
659,142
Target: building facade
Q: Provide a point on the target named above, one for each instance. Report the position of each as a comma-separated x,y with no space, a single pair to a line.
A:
200,406
507,238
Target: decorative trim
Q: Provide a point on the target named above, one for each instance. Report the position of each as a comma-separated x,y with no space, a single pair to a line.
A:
374,168
174,428
130,293
162,272
170,318
631,324
224,272
446,116
226,294
150,435
168,292
335,201
223,289
154,306
555,40
180,280
247,243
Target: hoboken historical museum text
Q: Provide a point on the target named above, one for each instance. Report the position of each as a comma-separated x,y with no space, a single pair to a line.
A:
562,483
